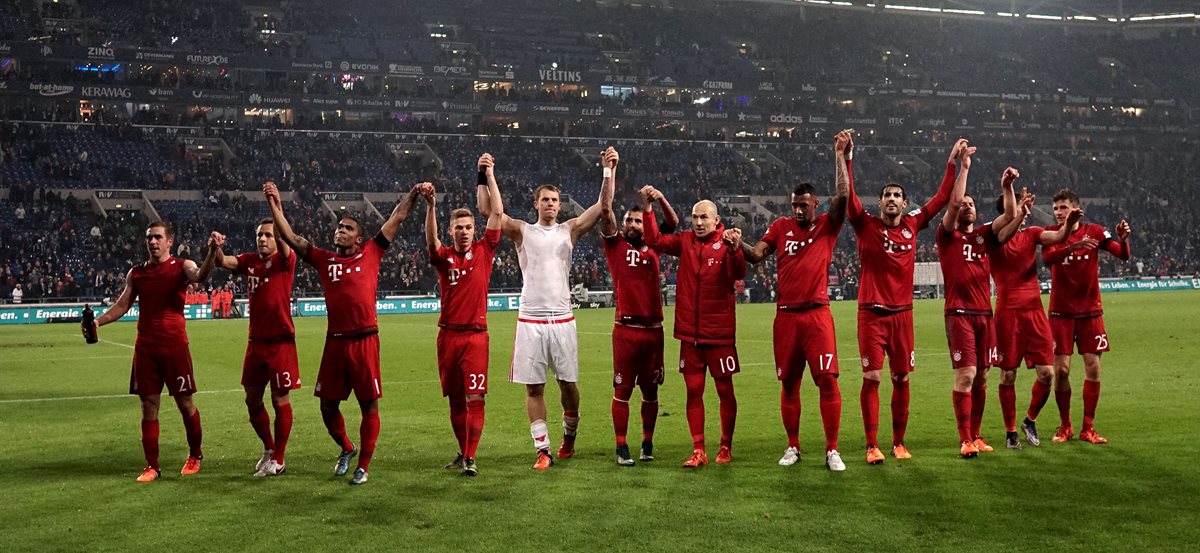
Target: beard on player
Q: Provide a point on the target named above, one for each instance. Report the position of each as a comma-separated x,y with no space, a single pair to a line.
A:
804,204
265,239
966,212
348,235
631,226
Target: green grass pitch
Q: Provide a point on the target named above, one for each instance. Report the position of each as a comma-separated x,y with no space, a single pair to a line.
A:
69,452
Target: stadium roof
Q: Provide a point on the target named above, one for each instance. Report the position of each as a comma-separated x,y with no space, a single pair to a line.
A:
1081,12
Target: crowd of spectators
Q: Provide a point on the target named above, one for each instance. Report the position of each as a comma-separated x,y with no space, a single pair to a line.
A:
56,246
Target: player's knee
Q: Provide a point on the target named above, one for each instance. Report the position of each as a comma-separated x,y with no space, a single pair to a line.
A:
623,393
650,393
899,377
1008,377
535,390
875,375
368,405
826,383
474,397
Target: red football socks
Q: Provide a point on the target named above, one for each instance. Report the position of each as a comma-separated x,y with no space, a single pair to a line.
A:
1091,397
869,400
900,399
368,432
789,409
458,421
649,419
620,417
831,410
962,415
261,421
695,407
191,426
1008,406
978,402
150,442
336,425
283,429
1037,399
475,416
1063,399
728,409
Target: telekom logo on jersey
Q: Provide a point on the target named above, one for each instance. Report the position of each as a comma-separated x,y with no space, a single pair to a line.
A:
633,257
335,272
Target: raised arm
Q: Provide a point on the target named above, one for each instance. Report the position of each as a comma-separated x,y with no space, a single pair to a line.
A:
495,214
119,307
854,208
432,242
282,228
227,262
737,260
663,243
200,274
586,221
1120,246
608,217
670,219
958,187
843,143
1006,224
1060,234
399,213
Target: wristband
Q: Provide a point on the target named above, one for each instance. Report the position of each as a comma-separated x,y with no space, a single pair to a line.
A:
608,172
482,180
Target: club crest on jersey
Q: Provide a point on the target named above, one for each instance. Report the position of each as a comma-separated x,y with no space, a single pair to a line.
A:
681,363
907,234
470,256
957,356
269,264
978,239
778,371
617,379
866,362
716,246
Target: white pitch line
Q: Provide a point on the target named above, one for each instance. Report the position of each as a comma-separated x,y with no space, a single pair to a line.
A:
117,344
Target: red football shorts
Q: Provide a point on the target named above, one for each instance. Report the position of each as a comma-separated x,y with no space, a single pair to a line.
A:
462,362
972,340
271,363
350,364
1088,333
886,333
805,337
637,355
155,367
1023,334
719,360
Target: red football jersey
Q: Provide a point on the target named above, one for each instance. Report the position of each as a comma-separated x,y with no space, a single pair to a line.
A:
463,281
1014,269
269,283
635,273
159,289
802,256
965,267
350,285
888,255
1075,276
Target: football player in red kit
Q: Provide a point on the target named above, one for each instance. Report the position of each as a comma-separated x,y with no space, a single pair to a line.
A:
637,337
963,256
271,349
1022,329
160,354
804,334
1076,313
887,247
350,362
464,268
